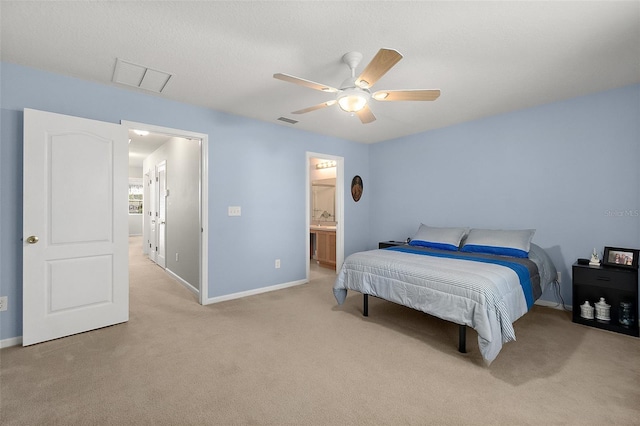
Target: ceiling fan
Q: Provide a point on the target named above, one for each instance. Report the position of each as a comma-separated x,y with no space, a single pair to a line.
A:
354,95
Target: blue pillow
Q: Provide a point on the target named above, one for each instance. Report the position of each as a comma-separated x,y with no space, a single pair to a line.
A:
438,238
514,243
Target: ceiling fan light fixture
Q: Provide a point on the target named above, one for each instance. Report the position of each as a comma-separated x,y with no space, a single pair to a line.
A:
352,100
353,95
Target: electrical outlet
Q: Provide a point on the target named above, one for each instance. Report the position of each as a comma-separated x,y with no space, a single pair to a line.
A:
4,301
235,211
177,258
277,263
559,277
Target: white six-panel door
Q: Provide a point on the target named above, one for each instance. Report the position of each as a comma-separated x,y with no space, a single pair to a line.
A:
75,243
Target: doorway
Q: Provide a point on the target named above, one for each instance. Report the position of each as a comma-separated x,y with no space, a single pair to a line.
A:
181,252
325,170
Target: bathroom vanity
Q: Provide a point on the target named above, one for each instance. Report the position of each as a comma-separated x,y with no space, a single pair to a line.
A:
325,245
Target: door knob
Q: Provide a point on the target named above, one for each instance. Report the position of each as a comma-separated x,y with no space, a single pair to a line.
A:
32,239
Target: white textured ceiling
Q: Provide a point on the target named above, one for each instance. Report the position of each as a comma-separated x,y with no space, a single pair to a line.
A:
486,57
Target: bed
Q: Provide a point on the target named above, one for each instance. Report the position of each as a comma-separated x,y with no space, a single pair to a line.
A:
478,278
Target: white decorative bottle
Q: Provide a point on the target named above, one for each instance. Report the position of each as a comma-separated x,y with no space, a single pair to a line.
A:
586,310
603,310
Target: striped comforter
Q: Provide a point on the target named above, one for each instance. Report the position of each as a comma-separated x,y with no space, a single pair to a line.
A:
485,296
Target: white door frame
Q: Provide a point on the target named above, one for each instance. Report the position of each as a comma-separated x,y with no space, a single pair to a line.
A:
204,194
339,207
161,208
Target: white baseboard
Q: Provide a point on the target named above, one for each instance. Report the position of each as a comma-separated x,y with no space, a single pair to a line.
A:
16,341
183,282
12,341
554,305
253,292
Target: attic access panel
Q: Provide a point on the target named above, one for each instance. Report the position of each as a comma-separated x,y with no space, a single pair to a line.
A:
135,75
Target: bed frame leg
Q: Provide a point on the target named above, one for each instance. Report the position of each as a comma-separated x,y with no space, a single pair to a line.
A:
462,329
365,311
462,339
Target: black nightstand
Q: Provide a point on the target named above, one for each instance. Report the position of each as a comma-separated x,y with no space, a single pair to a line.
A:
385,244
616,285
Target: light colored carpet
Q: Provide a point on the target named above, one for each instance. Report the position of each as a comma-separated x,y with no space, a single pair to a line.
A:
294,357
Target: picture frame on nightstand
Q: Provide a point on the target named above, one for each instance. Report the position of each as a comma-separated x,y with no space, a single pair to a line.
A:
620,257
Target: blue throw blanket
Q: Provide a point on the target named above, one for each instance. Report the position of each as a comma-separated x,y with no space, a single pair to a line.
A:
521,270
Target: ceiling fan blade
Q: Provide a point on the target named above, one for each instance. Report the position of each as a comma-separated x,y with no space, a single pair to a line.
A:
365,115
306,83
406,95
315,107
384,60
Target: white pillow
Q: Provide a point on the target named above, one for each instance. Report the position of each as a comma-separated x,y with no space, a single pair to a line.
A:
439,238
514,243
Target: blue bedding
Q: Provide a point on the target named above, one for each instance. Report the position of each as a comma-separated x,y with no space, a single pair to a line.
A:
521,270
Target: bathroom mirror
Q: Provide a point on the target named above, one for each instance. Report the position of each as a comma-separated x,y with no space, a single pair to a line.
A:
323,200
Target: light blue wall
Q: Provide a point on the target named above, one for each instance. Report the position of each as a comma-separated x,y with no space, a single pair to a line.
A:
568,169
257,165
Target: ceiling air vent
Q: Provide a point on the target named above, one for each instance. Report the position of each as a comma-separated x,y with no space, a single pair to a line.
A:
140,76
288,120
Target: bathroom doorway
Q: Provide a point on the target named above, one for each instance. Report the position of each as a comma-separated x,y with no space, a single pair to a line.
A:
325,210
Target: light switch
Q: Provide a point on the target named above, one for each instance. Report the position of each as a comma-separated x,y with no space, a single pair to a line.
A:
235,211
